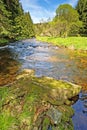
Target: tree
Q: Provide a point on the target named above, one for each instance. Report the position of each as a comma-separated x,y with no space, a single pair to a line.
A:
15,7
24,26
4,20
14,23
65,23
69,17
67,12
82,10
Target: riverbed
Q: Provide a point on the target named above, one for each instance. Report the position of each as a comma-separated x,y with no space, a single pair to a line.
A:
51,61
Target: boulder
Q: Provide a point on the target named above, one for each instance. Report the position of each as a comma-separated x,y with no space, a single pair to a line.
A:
33,103
57,92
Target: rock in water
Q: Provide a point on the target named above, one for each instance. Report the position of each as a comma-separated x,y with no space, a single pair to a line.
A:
30,103
57,92
54,115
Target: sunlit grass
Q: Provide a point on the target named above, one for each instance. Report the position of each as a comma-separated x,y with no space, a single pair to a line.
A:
6,120
70,42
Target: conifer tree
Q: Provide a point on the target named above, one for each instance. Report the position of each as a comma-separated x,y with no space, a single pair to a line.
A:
4,20
14,23
24,26
14,7
82,10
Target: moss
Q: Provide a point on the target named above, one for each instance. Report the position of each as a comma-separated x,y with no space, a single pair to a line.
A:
52,88
28,98
46,123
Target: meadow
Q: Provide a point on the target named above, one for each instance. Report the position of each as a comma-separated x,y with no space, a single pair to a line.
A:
79,43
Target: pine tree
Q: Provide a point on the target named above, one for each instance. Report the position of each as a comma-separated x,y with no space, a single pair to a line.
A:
15,7
24,26
4,21
15,24
82,10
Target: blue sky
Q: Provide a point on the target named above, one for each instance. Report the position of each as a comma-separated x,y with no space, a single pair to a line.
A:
43,9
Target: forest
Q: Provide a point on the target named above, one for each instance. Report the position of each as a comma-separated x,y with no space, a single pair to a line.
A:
68,21
15,24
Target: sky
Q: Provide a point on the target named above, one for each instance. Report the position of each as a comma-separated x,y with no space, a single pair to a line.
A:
43,9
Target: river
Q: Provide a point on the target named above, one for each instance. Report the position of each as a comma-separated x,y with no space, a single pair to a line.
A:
48,60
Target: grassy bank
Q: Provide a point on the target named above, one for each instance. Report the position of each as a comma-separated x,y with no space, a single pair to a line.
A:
3,41
79,43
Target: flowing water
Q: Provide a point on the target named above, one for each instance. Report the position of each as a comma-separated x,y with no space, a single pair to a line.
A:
47,60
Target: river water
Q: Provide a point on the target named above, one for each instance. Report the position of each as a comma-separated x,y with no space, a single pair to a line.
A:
48,60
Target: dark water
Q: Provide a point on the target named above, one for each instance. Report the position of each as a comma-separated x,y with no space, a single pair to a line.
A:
47,60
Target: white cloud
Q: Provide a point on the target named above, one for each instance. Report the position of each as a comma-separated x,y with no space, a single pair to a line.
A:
41,13
37,11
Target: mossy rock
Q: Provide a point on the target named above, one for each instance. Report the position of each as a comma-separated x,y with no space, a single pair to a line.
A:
25,102
56,92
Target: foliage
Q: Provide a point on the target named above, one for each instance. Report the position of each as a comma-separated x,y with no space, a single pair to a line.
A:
67,12
24,26
65,23
10,11
41,28
14,7
3,41
82,10
69,18
4,20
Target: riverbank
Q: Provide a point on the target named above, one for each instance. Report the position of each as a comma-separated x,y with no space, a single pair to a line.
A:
33,103
78,43
3,42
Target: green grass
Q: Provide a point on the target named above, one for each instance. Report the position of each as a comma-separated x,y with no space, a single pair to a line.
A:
3,95
3,42
6,120
79,43
24,103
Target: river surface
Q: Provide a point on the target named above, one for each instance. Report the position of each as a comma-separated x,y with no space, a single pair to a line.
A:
47,60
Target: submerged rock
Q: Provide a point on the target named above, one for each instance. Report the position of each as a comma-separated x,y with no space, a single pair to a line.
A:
54,115
33,103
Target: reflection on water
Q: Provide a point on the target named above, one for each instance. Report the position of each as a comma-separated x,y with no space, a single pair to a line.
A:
80,117
8,67
47,60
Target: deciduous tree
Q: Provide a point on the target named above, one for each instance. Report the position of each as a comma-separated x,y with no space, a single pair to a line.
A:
69,18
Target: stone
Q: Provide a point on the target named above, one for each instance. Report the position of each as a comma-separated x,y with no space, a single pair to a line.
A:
54,115
57,92
32,102
25,73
